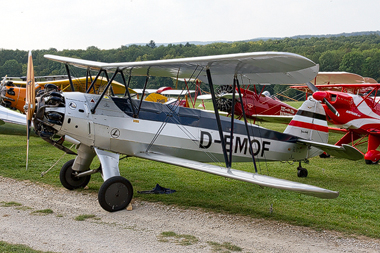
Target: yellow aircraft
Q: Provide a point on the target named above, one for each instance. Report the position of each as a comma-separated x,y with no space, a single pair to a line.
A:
13,92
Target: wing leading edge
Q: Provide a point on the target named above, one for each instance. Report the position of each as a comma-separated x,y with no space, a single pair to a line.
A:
254,68
254,178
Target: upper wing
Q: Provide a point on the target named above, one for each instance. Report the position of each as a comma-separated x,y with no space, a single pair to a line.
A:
337,78
254,178
350,88
255,68
177,92
79,84
344,151
147,91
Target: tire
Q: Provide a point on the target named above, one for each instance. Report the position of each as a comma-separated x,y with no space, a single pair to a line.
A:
115,194
370,162
302,172
68,180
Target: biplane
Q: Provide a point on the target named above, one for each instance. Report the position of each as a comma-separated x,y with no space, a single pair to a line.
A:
258,105
107,126
353,106
13,92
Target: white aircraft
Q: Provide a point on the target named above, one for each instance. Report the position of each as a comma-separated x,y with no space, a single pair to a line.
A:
107,126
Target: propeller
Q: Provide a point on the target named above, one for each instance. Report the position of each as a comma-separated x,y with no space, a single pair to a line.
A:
223,97
2,89
30,100
321,96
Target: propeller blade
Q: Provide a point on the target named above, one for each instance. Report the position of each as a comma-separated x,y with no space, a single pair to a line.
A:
4,80
331,107
2,85
30,101
312,87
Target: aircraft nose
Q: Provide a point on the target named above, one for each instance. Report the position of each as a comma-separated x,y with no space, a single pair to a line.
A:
319,95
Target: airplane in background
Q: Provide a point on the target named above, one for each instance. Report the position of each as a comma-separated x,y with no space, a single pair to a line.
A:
13,92
106,126
353,106
257,105
177,96
166,94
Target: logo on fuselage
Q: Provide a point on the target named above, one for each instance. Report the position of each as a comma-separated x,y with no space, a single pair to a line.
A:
115,133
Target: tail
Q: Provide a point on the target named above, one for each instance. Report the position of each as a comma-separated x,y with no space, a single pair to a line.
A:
310,122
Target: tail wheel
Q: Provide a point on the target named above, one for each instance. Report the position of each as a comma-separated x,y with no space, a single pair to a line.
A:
68,178
115,194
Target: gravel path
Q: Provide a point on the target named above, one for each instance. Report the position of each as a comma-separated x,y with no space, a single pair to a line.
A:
140,230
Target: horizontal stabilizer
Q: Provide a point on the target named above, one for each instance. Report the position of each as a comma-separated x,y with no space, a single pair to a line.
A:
344,151
254,178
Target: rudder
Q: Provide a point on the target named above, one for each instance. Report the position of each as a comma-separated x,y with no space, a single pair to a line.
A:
310,122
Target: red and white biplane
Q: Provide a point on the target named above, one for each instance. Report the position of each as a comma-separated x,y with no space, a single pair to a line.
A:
351,103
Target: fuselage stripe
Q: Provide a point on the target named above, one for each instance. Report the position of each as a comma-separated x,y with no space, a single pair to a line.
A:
308,126
311,114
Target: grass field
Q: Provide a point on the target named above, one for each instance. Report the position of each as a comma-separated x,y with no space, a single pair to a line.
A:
355,211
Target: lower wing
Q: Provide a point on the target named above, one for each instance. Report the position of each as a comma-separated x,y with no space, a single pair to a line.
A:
254,178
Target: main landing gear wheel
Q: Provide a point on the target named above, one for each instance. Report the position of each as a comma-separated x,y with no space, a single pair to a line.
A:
301,172
68,178
370,162
115,194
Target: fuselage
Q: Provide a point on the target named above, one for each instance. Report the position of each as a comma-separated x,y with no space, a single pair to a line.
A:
357,113
175,131
255,103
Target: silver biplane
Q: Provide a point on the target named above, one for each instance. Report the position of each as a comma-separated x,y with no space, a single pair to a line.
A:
107,126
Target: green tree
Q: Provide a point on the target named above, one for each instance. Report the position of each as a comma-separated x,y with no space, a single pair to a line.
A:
372,66
330,60
352,62
151,44
11,68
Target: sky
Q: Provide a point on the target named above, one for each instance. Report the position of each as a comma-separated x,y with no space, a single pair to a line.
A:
107,24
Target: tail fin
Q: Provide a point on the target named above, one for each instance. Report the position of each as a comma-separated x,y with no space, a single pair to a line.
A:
310,122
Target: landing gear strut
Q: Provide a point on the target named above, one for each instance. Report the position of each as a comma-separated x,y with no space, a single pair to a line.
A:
301,172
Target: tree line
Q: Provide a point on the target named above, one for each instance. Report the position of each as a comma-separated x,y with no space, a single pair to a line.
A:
356,54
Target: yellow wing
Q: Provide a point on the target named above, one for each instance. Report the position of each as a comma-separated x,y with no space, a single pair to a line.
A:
80,85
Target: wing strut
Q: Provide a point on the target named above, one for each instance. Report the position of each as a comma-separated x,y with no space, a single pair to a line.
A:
143,93
246,123
217,116
232,121
127,91
94,81
105,89
69,75
87,75
108,86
